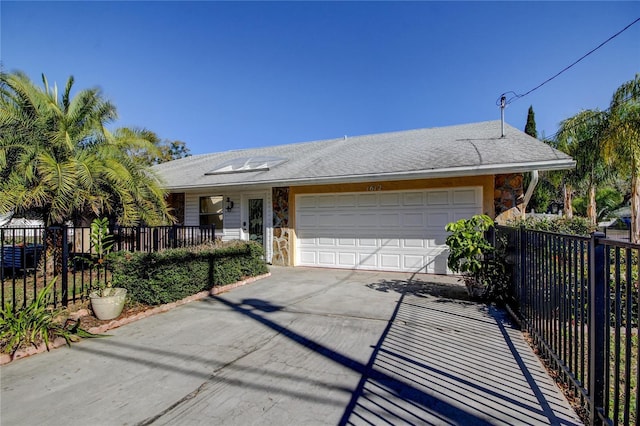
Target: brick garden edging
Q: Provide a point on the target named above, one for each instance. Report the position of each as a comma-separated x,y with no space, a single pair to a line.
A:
59,341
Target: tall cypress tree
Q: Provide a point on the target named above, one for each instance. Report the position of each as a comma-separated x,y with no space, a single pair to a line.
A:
530,127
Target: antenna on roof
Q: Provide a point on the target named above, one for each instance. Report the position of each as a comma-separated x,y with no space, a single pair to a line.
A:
503,105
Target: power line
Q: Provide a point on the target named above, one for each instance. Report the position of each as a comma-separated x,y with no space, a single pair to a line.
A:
517,96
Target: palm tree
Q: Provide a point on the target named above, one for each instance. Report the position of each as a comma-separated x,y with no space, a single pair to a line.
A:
582,136
623,142
58,157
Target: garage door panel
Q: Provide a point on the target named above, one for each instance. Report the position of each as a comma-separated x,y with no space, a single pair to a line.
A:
367,242
390,199
326,258
464,197
347,220
326,201
346,200
326,242
414,262
413,199
394,231
438,198
390,242
439,263
306,202
346,259
367,200
346,242
328,220
438,219
308,257
390,261
307,220
413,219
307,242
413,243
389,220
462,214
367,260
367,220
436,241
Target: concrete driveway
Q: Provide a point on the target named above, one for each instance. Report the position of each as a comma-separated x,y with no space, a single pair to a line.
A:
304,346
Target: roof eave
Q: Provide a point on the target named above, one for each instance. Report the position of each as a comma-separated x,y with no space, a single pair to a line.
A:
491,169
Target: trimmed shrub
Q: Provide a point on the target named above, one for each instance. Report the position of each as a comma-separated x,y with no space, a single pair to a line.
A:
560,225
170,275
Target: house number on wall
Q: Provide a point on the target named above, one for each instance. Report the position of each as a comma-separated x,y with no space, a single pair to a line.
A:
374,188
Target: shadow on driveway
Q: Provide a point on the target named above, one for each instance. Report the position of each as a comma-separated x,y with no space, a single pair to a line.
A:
438,361
301,347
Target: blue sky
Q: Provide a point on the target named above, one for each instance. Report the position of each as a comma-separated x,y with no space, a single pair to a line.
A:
233,75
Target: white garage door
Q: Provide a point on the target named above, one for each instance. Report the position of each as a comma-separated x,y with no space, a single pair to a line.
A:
384,231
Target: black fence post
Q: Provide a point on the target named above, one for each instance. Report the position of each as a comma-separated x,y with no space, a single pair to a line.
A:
156,240
598,323
521,286
174,236
138,238
64,284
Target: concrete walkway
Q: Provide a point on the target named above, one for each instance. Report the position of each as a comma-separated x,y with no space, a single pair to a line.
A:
302,347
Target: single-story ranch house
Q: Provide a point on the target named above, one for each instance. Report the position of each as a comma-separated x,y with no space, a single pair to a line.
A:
378,202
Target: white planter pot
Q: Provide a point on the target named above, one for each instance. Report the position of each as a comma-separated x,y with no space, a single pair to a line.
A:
108,307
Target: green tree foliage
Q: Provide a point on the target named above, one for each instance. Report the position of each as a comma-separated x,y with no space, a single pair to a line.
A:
173,150
545,193
546,190
582,136
622,147
530,127
160,151
57,157
607,199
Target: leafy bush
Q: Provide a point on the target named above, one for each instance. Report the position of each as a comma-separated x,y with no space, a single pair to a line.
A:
467,244
170,275
560,225
34,324
483,269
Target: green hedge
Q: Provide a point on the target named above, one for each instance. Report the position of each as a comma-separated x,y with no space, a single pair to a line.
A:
170,275
561,225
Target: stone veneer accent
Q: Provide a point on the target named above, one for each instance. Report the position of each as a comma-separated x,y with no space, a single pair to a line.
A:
508,188
281,233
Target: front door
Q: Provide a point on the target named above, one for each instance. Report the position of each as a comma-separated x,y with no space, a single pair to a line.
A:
253,218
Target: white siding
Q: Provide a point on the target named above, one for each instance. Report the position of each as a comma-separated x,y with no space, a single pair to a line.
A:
231,219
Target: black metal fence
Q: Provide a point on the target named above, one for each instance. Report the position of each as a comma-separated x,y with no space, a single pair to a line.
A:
31,258
578,300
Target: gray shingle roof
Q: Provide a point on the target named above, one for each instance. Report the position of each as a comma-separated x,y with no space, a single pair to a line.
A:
463,150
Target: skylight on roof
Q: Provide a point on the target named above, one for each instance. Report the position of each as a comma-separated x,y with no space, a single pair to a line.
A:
247,164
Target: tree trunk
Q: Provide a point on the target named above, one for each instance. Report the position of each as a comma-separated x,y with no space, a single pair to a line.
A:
54,250
568,208
591,207
635,207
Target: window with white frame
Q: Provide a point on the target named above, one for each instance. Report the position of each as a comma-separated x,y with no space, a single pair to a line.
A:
211,211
